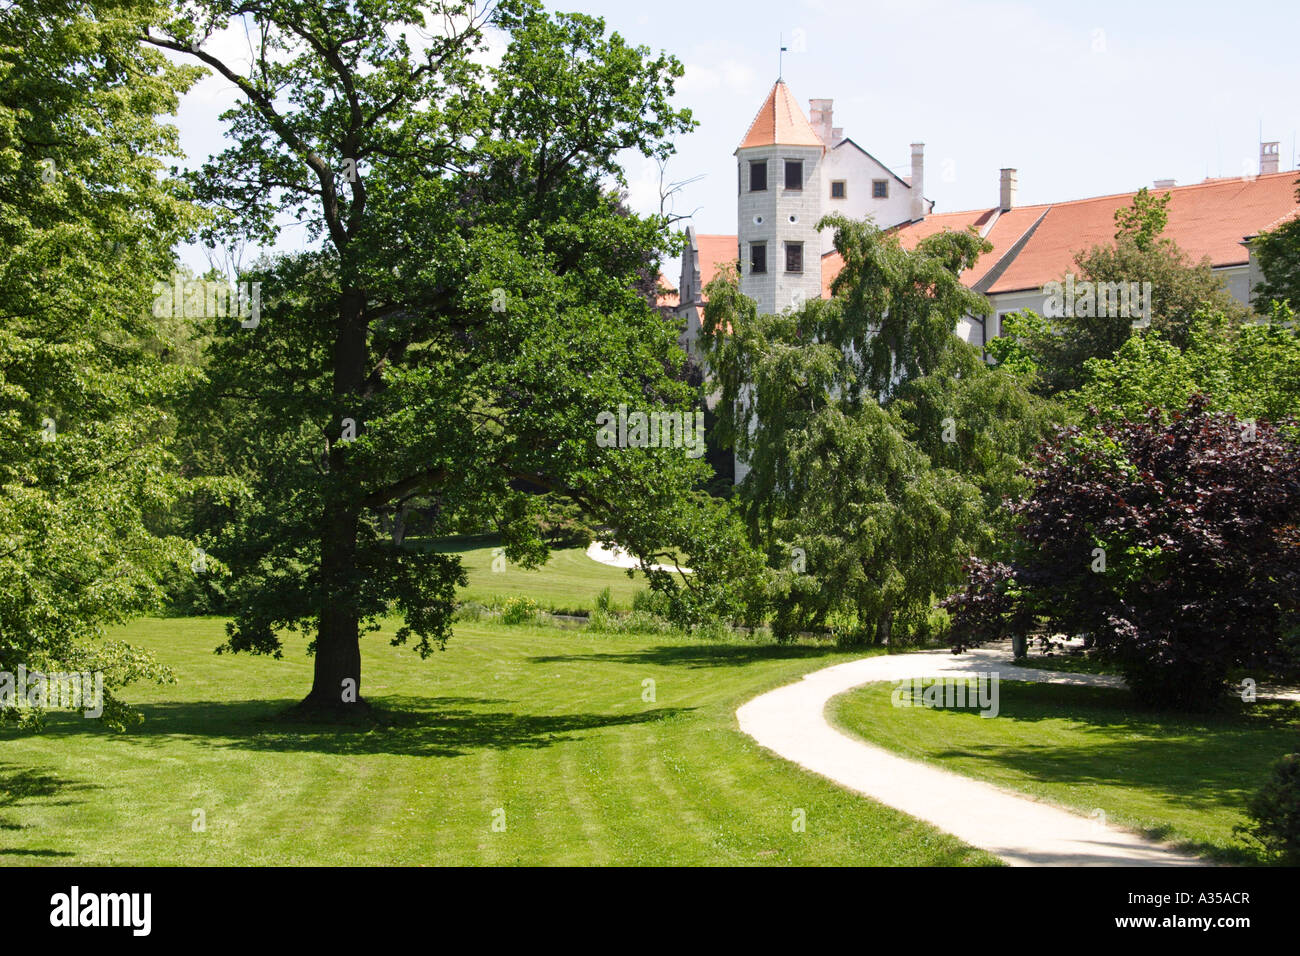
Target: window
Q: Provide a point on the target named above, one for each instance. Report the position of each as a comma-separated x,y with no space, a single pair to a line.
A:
794,257
794,174
880,189
837,189
757,176
984,325
758,257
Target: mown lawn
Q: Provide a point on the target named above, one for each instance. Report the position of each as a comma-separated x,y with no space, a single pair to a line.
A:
568,582
1176,777
547,725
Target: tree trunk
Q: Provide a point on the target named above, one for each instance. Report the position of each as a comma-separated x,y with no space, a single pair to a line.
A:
884,626
399,524
336,684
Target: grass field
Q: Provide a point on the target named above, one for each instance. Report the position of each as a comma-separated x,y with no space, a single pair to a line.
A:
568,583
543,729
1181,778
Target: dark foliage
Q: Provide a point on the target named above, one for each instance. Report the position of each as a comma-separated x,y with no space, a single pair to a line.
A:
1174,545
1275,812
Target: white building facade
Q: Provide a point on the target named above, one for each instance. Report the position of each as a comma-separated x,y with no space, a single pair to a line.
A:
791,171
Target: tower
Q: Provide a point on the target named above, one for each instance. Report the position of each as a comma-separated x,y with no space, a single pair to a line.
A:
778,168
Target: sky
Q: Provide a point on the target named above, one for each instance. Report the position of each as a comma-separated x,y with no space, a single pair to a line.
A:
1083,99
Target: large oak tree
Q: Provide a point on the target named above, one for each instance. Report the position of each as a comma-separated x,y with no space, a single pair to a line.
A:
471,308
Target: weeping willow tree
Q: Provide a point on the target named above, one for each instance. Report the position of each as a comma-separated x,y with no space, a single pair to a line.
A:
878,441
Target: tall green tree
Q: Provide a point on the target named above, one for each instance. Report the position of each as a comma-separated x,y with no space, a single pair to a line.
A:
1278,252
1252,371
473,306
1182,292
88,216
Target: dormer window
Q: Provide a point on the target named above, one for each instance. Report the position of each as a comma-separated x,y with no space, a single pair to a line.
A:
794,174
758,176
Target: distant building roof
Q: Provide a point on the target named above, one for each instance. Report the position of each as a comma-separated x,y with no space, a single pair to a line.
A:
1033,245
667,297
832,264
1206,220
715,251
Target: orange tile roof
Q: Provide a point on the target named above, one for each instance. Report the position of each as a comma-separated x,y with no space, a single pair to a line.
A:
1208,219
911,233
1004,229
715,251
667,297
780,122
1286,217
832,263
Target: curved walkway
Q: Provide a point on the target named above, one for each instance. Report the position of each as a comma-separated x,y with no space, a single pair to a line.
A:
618,558
791,722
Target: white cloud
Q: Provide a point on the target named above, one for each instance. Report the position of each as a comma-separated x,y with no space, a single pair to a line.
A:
643,186
730,75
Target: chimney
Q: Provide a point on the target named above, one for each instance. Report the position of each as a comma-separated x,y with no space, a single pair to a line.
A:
1164,184
918,181
819,115
1007,190
837,135
1268,157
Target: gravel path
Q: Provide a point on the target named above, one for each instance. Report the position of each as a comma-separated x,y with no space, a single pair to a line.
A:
791,722
618,558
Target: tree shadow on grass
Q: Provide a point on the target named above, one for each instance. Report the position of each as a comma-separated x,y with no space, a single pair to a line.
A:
697,655
21,785
1204,763
1192,777
404,726
1105,709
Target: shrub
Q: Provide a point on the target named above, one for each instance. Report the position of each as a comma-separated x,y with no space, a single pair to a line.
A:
987,609
1176,544
197,595
519,610
638,622
604,599
651,602
1275,812
711,630
643,622
925,626
562,525
602,622
471,611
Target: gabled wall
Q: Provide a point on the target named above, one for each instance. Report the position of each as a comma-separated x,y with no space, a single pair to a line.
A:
858,168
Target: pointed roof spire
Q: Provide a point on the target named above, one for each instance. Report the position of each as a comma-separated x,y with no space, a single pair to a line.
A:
780,122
